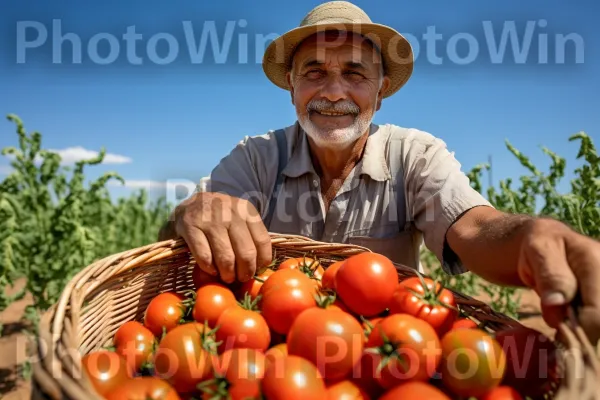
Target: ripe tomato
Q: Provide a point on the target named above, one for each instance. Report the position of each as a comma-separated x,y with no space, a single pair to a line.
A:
328,279
238,375
201,278
464,323
211,300
431,303
285,295
472,362
368,326
185,356
293,378
135,343
165,310
365,374
366,283
531,360
415,390
308,266
330,339
252,286
276,352
346,390
330,301
106,370
143,388
411,347
502,393
241,328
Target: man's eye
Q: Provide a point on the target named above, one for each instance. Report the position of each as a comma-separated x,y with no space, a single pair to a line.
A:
314,73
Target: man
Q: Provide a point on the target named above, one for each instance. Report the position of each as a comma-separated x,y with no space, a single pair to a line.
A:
335,176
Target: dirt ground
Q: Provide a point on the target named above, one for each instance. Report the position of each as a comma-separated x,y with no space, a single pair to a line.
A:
13,344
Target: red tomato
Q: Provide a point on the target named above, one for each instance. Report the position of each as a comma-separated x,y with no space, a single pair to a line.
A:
201,278
185,356
308,266
368,326
415,390
365,374
252,286
366,283
531,360
241,328
346,390
211,300
464,323
285,295
165,310
411,347
328,279
431,303
330,339
502,393
276,352
135,343
238,375
472,362
143,388
293,378
106,370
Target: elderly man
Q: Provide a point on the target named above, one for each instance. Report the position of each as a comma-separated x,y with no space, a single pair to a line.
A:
335,176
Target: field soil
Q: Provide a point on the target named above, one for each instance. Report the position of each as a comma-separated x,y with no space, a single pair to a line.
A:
13,343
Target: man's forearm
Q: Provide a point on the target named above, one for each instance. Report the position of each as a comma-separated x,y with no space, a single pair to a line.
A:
488,242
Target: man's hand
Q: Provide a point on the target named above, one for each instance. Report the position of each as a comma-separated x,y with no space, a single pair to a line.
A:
225,235
541,253
558,263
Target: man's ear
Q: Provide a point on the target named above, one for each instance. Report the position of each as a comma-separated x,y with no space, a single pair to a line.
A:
288,77
384,87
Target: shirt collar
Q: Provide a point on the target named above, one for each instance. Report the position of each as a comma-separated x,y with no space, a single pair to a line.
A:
373,162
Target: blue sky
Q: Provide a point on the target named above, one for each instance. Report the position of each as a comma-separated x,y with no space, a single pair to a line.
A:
175,121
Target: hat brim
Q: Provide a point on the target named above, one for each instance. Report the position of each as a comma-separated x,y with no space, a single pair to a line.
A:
396,51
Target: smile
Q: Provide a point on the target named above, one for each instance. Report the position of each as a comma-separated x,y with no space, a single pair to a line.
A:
332,113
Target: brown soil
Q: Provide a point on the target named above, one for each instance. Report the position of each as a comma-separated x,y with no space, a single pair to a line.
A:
13,343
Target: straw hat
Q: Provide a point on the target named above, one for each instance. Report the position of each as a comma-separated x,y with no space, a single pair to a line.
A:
341,16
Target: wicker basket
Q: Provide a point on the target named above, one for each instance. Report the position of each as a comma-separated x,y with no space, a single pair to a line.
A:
118,288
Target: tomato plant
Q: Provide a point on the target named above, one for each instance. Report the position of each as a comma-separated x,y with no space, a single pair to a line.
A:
415,390
106,370
242,327
293,378
185,356
472,362
211,301
143,388
330,339
135,343
166,310
423,298
409,349
366,283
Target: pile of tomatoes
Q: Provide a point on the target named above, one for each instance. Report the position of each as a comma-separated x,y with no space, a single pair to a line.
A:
297,330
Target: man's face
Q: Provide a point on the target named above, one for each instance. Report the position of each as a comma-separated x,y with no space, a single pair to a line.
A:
336,86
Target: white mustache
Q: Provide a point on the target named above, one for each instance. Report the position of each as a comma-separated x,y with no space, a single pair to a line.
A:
322,105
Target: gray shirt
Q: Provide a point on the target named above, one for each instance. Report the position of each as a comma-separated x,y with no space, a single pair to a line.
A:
367,210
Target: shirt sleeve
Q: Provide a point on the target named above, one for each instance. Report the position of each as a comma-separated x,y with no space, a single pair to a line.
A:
247,172
437,193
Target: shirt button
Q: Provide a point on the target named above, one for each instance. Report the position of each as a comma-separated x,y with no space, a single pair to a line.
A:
315,182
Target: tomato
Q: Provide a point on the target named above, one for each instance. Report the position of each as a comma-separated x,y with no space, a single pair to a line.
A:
531,360
346,390
143,388
368,326
285,295
472,362
201,278
252,286
411,347
502,393
365,374
330,339
464,323
185,356
328,279
293,378
238,376
308,266
330,301
165,310
135,343
106,370
415,390
425,299
241,328
211,300
276,352
366,283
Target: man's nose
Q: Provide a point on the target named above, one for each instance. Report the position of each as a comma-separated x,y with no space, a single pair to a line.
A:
334,89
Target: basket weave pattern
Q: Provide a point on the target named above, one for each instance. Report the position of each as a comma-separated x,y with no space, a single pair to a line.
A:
118,288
